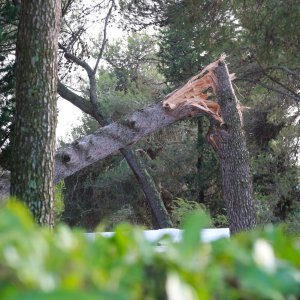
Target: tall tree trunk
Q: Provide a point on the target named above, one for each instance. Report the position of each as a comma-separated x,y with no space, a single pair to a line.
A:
35,119
231,146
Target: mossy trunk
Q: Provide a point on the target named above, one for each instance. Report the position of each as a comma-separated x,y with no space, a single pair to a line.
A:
231,146
35,119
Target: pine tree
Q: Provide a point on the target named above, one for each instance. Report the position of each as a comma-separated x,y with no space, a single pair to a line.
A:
34,130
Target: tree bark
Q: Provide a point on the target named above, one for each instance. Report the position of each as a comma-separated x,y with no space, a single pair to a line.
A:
231,146
35,119
111,138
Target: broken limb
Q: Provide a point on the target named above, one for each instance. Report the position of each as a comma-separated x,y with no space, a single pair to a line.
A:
109,139
196,93
225,136
236,177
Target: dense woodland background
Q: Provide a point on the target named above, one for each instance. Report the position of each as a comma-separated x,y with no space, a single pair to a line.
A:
167,42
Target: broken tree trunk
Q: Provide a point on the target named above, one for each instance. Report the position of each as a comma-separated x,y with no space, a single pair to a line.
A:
231,147
180,104
111,138
225,135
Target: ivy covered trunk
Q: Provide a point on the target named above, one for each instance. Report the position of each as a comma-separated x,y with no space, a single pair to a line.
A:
35,120
231,146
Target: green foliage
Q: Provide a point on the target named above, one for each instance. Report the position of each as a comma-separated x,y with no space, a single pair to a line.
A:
270,29
183,207
116,102
8,21
99,194
187,44
134,62
124,214
59,200
260,39
37,263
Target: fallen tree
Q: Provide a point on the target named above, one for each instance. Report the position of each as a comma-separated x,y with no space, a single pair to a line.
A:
193,99
109,139
189,100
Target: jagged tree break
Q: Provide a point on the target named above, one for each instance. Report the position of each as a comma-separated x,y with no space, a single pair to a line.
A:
225,136
196,92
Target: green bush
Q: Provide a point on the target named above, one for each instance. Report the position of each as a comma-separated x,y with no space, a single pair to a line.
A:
36,263
59,200
181,208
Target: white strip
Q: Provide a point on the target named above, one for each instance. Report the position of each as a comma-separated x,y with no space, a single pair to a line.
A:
206,235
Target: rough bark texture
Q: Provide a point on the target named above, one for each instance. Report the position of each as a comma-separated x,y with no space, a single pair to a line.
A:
231,146
109,139
35,121
4,185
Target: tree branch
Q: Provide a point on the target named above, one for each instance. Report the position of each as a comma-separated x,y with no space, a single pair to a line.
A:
291,93
65,7
296,98
283,86
104,40
287,70
75,59
109,139
79,102
88,69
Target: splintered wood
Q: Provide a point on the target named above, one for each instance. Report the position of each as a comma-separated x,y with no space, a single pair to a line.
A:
196,91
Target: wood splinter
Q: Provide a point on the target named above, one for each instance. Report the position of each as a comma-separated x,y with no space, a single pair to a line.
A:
196,91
